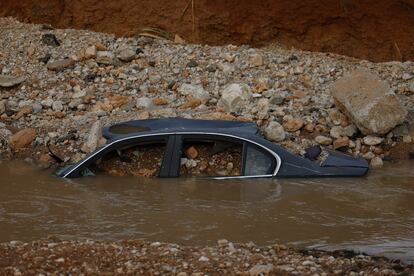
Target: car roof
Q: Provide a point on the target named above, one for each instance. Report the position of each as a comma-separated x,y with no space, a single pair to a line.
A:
178,125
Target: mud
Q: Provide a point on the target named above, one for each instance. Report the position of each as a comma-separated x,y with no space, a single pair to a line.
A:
375,30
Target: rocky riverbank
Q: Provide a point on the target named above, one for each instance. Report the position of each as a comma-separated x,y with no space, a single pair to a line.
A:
226,258
58,87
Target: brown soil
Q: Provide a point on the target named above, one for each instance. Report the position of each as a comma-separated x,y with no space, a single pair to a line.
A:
378,30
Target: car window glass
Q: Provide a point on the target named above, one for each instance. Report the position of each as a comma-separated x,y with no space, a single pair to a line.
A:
144,160
209,158
258,162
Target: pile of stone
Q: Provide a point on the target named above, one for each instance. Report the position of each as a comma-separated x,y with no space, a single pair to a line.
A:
144,258
60,86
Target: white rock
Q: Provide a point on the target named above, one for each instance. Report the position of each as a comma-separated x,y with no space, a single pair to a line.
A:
372,140
235,97
144,103
275,132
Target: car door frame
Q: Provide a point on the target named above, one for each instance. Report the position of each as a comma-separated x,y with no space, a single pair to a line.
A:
176,160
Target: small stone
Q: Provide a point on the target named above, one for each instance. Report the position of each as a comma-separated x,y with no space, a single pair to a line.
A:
105,57
372,140
60,65
222,242
407,76
22,138
160,101
192,64
2,106
376,162
203,259
144,103
57,106
126,54
90,52
37,108
10,81
341,142
191,152
323,140
275,132
178,39
293,125
261,269
194,92
50,40
256,60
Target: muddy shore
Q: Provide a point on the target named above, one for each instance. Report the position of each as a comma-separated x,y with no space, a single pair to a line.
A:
140,257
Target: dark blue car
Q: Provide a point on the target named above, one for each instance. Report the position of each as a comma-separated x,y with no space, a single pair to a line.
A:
246,153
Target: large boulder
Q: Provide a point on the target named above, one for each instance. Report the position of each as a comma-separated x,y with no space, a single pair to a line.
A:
235,96
369,102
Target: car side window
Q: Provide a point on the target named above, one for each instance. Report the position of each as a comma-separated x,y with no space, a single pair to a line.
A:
258,162
142,159
211,158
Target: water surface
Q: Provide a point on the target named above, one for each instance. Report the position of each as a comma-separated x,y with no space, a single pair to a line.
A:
374,214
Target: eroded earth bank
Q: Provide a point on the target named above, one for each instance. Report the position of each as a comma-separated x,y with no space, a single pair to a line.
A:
60,86
379,30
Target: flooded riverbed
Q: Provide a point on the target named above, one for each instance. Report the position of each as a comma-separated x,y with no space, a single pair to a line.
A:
374,214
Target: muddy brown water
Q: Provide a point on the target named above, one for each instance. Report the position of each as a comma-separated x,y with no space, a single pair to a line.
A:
374,214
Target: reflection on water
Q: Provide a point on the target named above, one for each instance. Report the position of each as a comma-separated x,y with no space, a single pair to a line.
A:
373,214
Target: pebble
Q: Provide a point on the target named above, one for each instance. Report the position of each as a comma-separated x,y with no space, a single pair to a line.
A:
323,140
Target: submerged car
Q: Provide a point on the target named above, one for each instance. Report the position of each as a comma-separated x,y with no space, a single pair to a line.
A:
176,147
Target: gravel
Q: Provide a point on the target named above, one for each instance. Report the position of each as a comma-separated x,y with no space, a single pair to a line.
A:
133,257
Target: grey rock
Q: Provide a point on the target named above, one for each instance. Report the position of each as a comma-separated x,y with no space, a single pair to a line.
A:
60,65
126,54
37,108
2,106
194,91
93,138
275,132
144,103
376,162
235,97
105,57
369,102
10,81
57,106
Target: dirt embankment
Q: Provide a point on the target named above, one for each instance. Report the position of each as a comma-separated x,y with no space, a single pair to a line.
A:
378,30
